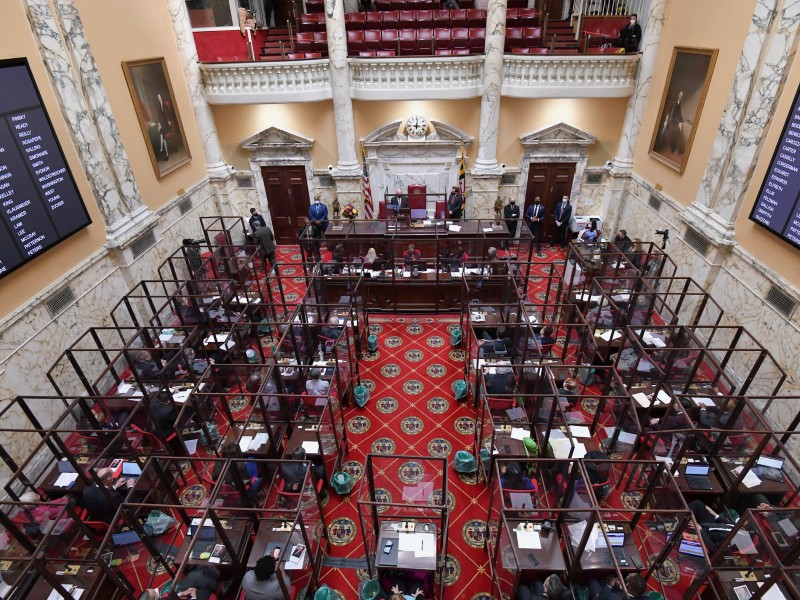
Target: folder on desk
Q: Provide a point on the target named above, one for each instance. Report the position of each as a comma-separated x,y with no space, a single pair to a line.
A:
388,559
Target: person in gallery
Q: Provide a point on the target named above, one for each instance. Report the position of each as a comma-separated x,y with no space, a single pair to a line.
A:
630,36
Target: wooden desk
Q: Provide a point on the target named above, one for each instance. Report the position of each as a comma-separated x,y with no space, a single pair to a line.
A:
303,433
603,558
773,490
405,559
267,535
237,531
680,479
549,556
727,580
89,578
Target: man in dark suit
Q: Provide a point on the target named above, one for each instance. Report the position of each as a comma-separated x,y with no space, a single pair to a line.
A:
623,242
318,213
511,215
611,590
95,501
534,217
398,202
256,219
455,204
631,35
500,382
199,584
266,239
562,217
553,589
163,414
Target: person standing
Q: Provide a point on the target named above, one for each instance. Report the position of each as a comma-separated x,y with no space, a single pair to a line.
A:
255,220
630,36
511,215
455,204
263,235
318,213
562,218
534,216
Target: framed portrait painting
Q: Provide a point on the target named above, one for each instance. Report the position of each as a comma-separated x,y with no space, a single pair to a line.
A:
681,105
162,129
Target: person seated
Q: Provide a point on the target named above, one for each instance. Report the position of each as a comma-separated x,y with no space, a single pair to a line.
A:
611,590
331,329
145,366
569,390
370,257
711,417
42,513
499,342
294,473
630,36
502,381
248,471
461,256
401,584
315,386
623,242
253,383
412,254
589,234
259,584
94,499
163,414
327,253
513,479
199,584
552,589
546,338
398,202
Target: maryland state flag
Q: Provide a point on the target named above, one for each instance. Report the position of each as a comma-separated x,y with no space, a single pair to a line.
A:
462,180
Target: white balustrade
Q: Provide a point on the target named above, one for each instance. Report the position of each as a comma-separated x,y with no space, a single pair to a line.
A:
423,78
416,78
569,76
267,82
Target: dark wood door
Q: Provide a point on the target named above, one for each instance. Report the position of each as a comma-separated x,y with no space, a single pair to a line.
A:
549,181
287,198
555,8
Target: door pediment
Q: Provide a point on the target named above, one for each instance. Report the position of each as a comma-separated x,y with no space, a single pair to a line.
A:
557,134
274,137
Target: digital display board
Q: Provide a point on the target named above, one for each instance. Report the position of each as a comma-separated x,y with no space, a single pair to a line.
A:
777,207
39,202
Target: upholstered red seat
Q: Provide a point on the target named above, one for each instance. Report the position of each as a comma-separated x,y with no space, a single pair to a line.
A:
513,38
408,41
424,41
460,37
304,41
320,43
389,40
442,38
477,40
358,20
389,19
476,17
355,41
531,36
372,39
441,18
458,18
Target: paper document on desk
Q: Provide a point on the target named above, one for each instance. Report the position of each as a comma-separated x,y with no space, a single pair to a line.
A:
311,447
487,230
610,335
181,396
653,339
427,547
576,531
624,436
191,446
124,388
642,399
518,433
561,447
750,480
477,317
621,297
580,431
580,451
773,593
244,443
218,338
75,593
663,397
408,542
65,479
455,228
528,539
515,414
701,401
788,527
259,440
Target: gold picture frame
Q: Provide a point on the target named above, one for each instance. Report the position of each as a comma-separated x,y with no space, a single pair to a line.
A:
151,90
682,102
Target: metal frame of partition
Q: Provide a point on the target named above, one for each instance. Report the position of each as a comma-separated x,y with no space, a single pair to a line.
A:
375,509
687,299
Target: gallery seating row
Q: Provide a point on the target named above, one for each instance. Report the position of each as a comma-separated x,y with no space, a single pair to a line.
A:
602,30
415,19
419,42
311,41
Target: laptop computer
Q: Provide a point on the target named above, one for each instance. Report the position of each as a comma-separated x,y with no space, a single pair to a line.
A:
769,468
697,476
131,469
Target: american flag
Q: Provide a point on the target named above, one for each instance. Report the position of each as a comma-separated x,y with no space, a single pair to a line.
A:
462,179
368,209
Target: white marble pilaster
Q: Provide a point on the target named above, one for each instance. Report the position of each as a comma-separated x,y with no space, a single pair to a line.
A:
348,165
632,125
486,161
182,26
83,103
766,57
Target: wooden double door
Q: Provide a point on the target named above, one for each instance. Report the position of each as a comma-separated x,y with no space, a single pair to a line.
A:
551,182
287,198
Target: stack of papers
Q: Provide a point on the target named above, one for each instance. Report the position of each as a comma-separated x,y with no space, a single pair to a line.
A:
624,436
423,545
610,335
654,339
455,228
65,479
311,447
580,431
518,433
750,480
478,317
528,539
642,399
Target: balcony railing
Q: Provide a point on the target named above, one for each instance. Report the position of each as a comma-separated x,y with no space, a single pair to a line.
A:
534,76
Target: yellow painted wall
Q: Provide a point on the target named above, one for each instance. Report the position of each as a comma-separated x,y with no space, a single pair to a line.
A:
236,123
602,117
717,24
125,31
17,41
765,246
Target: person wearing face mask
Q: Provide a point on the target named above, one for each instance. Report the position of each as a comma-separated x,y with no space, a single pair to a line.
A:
455,204
534,217
561,218
631,35
319,213
511,216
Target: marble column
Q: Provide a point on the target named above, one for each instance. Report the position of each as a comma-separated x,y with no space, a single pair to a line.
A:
764,63
182,26
486,162
84,105
348,165
632,125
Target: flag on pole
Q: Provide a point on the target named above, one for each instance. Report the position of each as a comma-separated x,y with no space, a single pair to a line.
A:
462,179
368,208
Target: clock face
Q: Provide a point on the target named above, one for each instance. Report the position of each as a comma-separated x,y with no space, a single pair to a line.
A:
416,125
